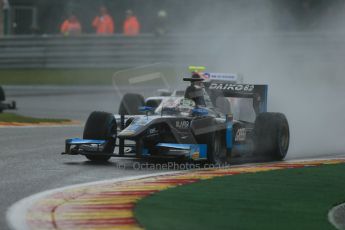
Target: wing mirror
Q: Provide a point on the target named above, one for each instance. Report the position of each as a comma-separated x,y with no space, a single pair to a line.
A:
146,109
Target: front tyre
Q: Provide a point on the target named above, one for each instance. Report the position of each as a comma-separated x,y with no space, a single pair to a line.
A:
272,135
214,139
216,149
101,126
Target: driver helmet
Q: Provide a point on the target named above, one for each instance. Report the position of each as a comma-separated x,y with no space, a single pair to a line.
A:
197,76
195,91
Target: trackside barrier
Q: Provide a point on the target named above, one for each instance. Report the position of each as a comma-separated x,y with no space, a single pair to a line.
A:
117,51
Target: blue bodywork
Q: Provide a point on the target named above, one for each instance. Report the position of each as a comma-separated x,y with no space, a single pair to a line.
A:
71,144
229,135
146,109
196,151
78,141
199,112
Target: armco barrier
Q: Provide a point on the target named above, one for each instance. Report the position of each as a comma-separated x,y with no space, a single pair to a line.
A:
91,51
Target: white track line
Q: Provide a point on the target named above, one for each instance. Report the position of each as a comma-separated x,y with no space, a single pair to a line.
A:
16,214
337,216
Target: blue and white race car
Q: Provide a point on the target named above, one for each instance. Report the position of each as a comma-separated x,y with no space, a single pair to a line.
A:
216,121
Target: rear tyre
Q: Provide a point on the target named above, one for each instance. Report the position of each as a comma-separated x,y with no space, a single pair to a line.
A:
101,126
130,104
272,135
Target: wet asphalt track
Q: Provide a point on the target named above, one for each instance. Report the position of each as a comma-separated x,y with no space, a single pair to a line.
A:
30,157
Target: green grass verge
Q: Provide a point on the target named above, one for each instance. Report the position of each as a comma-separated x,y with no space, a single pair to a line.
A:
285,199
81,76
12,117
57,77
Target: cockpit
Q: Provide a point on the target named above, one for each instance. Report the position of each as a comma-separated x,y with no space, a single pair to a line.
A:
176,106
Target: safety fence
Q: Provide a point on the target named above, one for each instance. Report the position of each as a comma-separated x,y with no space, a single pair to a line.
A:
90,51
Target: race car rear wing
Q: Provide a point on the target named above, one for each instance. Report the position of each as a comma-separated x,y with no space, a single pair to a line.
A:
257,92
216,77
